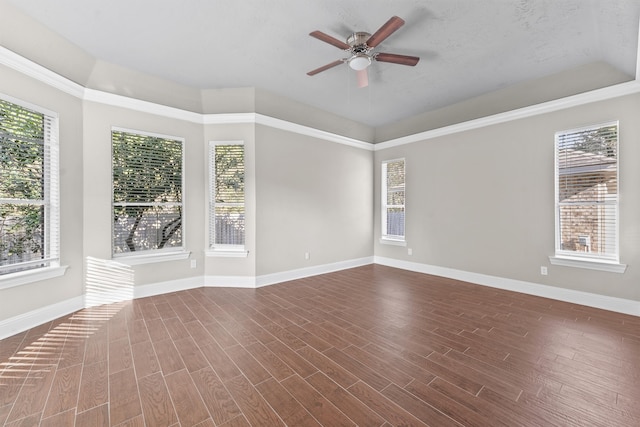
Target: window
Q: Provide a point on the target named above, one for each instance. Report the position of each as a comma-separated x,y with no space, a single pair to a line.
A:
393,179
226,198
29,211
587,193
147,192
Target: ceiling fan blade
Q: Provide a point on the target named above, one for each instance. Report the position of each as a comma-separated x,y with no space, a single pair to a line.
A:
325,67
363,78
331,40
385,31
397,59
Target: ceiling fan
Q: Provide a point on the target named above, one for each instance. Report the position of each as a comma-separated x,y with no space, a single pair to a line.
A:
360,47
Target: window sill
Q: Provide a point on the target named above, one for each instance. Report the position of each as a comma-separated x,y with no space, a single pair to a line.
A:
601,265
152,257
394,242
29,276
229,253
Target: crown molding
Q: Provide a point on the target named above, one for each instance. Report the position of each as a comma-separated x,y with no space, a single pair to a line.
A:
310,131
29,68
229,118
121,101
272,122
622,89
44,75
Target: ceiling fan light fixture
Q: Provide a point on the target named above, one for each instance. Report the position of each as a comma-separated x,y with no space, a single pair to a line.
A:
359,62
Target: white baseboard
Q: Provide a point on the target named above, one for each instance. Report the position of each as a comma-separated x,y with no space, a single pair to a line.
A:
604,302
22,322
230,281
28,320
285,276
150,290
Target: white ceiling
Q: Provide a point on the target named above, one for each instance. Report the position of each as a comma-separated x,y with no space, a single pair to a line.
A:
467,47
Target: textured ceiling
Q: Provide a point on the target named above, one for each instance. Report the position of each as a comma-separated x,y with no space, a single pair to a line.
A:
467,47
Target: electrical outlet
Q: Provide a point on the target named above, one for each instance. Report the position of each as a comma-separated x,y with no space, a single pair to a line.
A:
543,270
306,255
194,263
410,251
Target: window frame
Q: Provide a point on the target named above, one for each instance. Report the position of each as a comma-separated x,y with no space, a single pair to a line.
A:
390,239
220,249
152,255
51,266
605,262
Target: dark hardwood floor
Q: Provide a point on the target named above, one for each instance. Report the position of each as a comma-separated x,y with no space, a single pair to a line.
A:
370,346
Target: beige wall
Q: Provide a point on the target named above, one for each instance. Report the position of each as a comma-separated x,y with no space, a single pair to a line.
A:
312,196
482,201
20,299
98,121
228,100
232,266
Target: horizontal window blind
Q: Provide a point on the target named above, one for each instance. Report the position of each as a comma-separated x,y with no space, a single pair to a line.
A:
227,198
147,192
587,192
29,212
393,199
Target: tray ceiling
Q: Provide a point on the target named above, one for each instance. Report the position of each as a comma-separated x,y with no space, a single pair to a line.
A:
467,47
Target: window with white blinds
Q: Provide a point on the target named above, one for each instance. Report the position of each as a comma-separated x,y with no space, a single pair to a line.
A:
587,192
226,198
29,193
393,192
147,192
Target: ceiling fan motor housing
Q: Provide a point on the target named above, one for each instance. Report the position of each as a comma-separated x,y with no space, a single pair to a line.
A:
358,40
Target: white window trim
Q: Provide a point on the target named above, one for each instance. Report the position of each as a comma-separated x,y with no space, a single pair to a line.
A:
228,251
154,255
392,241
609,263
29,276
220,250
386,238
52,195
590,264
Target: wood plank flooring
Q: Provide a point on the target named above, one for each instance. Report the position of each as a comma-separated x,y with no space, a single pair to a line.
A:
370,346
